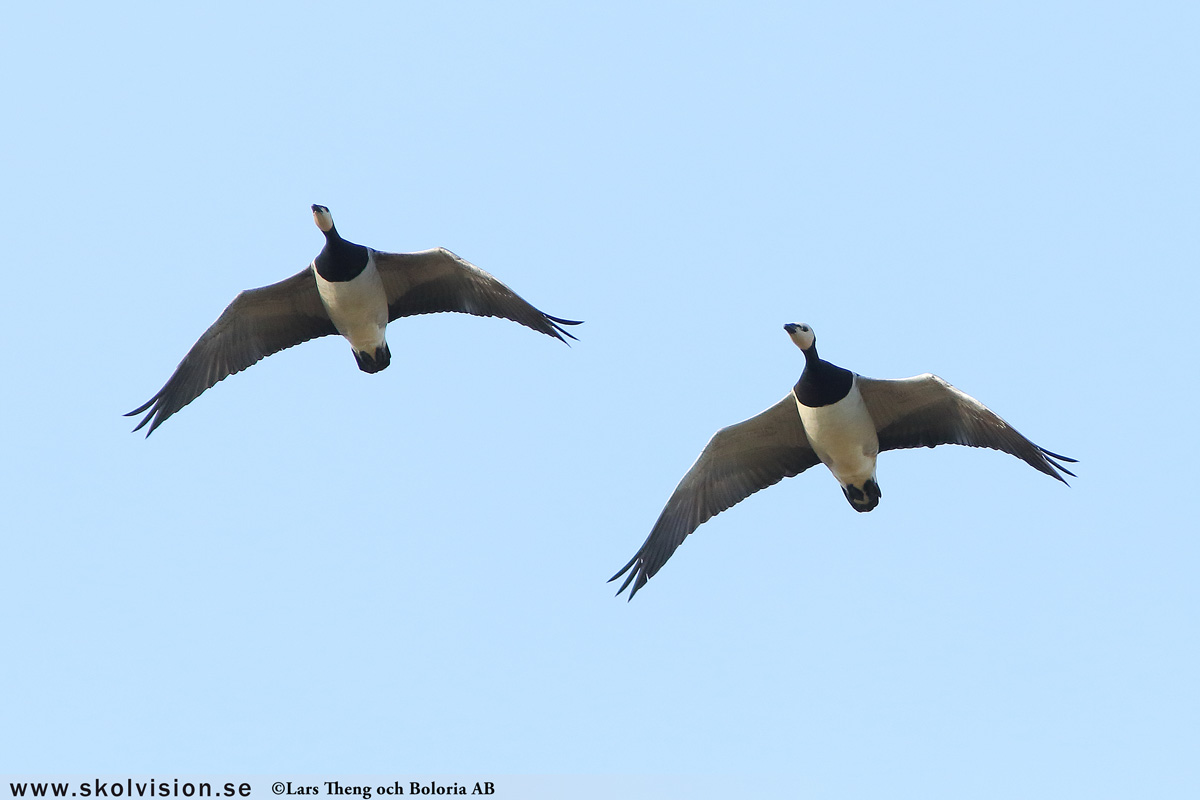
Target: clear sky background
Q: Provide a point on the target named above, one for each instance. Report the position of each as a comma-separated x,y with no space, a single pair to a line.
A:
311,570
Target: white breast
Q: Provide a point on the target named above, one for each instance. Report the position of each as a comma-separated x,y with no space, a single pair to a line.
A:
843,436
358,307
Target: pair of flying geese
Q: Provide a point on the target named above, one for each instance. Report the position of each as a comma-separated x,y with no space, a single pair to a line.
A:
831,416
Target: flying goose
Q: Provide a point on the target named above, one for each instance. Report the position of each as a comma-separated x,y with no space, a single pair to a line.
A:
347,289
833,417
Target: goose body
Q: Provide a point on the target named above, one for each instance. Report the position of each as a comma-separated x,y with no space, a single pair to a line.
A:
348,289
843,436
833,417
358,310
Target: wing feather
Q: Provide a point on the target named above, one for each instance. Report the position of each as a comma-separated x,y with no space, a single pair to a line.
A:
926,411
737,462
432,281
258,323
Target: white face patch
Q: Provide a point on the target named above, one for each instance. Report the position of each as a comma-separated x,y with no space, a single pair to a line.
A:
324,220
803,336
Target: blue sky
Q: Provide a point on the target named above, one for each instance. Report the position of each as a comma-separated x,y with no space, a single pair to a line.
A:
311,570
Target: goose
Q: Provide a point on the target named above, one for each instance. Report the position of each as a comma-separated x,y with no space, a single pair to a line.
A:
833,417
347,289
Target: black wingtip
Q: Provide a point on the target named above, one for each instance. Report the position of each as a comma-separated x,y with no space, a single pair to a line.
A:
559,331
141,408
146,419
1057,456
565,321
151,406
629,578
1053,460
148,405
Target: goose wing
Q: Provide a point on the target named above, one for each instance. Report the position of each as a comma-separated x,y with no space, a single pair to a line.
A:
925,411
256,324
737,462
430,281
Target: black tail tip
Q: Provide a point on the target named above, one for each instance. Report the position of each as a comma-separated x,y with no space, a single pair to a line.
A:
864,499
374,363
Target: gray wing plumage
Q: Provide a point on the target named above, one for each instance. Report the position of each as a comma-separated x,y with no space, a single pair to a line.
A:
256,324
430,281
926,411
737,462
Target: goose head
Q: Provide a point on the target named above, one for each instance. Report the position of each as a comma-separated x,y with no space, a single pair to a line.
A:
802,335
323,218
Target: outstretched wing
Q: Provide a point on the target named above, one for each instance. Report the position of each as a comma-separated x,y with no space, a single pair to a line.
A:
737,462
925,411
256,324
436,280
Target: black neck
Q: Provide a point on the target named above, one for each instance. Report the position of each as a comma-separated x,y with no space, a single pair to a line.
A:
340,260
821,383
